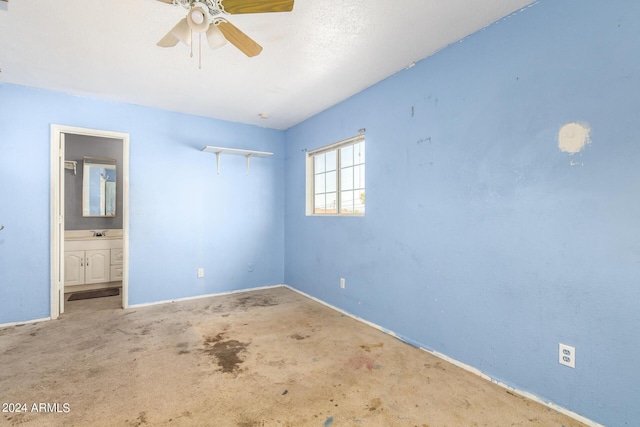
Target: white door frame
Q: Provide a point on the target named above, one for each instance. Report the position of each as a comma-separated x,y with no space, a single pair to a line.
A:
57,211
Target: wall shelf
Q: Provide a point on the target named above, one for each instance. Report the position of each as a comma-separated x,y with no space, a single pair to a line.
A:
236,152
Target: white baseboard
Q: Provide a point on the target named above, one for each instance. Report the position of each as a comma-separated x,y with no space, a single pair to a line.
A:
205,296
459,364
27,322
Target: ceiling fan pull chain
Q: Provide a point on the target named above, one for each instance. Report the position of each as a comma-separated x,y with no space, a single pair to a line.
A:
191,44
199,51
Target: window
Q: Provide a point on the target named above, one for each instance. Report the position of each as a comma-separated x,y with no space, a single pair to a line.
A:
335,179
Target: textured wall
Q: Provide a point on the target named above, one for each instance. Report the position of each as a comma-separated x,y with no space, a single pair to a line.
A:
493,232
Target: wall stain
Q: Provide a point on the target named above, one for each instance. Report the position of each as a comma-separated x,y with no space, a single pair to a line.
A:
573,137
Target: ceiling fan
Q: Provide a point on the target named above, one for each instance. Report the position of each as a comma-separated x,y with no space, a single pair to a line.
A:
209,17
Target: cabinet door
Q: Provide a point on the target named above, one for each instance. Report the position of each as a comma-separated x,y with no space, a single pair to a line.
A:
74,268
97,266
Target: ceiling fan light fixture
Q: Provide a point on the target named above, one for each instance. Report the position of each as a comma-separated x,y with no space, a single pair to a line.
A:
198,18
215,37
182,31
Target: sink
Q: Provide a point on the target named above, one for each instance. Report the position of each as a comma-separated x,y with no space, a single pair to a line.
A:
71,235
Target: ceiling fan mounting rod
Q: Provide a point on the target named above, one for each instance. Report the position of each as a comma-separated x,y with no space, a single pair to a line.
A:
215,6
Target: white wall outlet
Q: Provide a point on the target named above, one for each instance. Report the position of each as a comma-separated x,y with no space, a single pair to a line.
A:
201,272
567,355
343,282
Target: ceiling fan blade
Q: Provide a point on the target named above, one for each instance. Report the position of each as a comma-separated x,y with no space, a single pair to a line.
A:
235,7
168,41
167,1
239,39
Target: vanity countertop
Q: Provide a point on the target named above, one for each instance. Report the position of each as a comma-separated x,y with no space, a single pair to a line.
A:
82,240
82,235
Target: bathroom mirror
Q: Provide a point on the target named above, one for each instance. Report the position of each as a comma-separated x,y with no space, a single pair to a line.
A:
99,187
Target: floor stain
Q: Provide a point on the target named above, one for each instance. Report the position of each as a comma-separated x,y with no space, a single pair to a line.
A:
298,337
142,419
17,419
255,301
93,372
463,403
358,362
375,404
436,365
368,347
226,352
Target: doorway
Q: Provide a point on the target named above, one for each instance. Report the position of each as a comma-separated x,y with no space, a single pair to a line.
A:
96,247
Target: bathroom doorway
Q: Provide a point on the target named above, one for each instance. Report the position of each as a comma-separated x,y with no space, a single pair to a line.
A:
89,215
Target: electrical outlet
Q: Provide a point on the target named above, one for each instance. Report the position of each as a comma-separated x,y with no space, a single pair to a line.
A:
567,355
343,282
250,268
201,272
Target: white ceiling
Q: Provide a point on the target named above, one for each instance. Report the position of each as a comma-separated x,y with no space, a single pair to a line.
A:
314,57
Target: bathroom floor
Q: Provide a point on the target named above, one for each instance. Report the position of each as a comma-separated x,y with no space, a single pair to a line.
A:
260,358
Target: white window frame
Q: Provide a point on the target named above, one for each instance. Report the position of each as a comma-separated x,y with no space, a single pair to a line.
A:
310,178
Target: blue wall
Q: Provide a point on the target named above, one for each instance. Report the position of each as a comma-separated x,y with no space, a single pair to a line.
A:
183,215
482,239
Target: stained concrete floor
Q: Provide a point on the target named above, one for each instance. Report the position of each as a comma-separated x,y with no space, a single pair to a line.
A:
261,358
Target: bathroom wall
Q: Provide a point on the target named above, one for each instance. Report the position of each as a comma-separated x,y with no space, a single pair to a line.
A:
183,215
494,231
76,148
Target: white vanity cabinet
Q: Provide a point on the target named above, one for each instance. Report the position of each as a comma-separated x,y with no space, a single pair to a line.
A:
89,260
87,267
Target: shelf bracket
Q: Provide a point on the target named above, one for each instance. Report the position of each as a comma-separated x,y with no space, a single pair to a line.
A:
71,165
248,157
